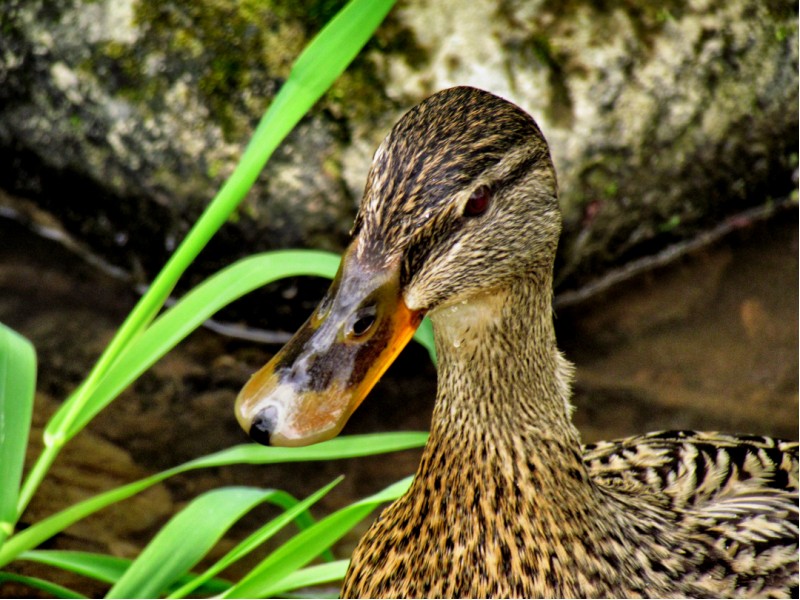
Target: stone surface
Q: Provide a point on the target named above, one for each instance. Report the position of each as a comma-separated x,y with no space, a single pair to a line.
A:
122,118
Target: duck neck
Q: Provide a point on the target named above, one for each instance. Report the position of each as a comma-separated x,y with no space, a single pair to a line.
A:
501,422
501,374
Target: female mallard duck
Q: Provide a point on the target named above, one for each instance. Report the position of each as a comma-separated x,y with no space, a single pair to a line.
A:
460,221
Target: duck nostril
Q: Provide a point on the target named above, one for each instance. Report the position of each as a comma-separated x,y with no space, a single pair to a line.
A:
263,425
324,306
365,319
362,325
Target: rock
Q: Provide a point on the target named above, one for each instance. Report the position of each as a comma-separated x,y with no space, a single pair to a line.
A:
122,118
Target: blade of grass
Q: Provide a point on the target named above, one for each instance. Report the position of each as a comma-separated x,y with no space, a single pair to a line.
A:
343,447
17,387
323,60
106,568
185,540
189,313
110,569
100,567
199,304
311,576
289,503
59,591
254,540
424,335
262,581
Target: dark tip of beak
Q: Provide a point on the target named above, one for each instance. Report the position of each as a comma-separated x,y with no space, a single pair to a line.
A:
263,425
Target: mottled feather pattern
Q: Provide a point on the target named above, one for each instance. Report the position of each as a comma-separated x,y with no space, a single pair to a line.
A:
506,501
740,489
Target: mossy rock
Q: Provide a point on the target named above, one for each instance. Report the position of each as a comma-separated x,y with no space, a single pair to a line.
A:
121,119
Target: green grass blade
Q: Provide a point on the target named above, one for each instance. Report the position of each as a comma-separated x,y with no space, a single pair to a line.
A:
424,336
53,589
106,568
318,66
188,313
323,60
311,576
185,540
287,502
254,540
262,581
199,304
100,567
342,447
301,518
349,446
17,387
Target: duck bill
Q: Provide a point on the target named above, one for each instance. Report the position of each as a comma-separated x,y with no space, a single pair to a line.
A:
306,393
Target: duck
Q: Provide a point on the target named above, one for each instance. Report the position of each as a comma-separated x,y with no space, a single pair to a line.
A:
460,221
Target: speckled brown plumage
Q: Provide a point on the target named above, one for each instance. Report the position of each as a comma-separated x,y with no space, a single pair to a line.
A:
506,501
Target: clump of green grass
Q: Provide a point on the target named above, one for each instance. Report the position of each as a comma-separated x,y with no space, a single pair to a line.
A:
164,568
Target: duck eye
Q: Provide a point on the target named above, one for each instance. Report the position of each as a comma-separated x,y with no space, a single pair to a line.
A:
478,202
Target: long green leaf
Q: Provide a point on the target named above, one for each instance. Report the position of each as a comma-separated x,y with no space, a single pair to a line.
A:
53,589
424,336
17,387
193,309
262,581
348,446
201,303
342,447
254,540
185,540
100,567
323,60
106,568
109,569
311,576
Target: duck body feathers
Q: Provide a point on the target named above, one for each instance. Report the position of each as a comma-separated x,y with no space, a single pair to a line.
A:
667,514
737,494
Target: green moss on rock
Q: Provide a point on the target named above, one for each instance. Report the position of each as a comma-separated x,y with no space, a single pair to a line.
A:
234,55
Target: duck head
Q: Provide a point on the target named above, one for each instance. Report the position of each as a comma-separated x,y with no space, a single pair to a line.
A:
460,202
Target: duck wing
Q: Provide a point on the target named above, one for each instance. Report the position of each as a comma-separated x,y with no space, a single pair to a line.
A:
739,492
